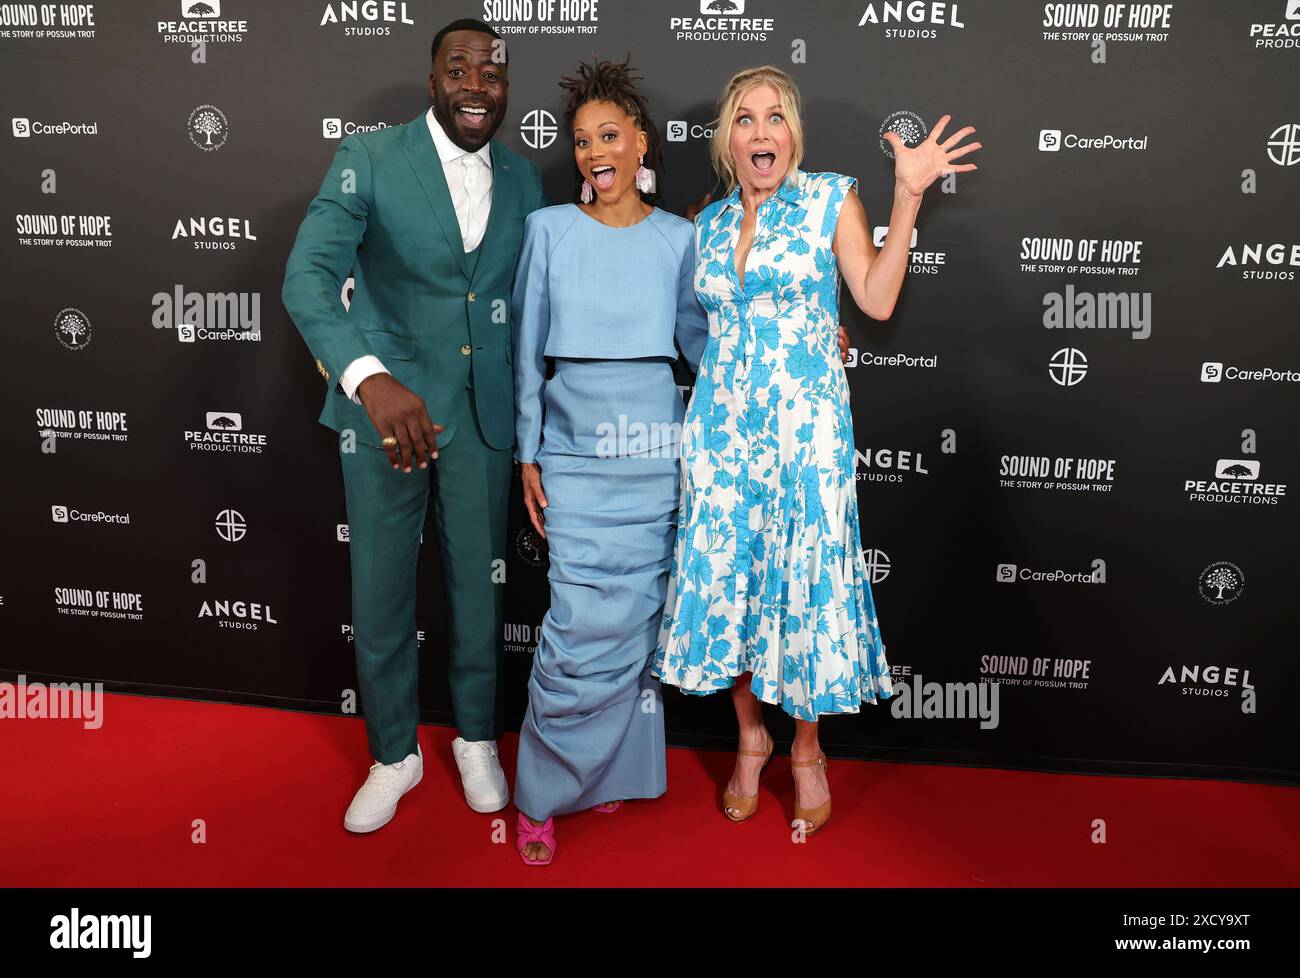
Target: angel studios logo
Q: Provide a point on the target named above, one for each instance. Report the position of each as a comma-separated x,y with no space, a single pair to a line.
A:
369,18
916,20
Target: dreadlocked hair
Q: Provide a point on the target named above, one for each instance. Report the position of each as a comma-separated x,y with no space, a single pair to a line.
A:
608,81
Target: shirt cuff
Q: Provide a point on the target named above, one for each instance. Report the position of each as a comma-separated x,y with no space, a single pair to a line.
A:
357,371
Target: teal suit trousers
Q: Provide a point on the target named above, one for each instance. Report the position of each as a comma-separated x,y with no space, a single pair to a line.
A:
469,483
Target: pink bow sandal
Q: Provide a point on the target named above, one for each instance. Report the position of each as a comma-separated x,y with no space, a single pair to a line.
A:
607,808
526,832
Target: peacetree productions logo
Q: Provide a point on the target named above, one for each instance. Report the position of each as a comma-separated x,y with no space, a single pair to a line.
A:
721,20
1281,35
1236,480
224,433
201,23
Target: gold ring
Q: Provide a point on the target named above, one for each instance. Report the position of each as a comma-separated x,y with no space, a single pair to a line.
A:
389,442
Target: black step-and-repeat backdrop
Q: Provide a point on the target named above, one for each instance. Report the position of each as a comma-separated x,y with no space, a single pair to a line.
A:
1076,437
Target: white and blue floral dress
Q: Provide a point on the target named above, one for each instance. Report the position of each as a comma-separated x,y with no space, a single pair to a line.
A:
767,574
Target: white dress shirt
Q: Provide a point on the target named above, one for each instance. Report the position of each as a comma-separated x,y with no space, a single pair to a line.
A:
469,178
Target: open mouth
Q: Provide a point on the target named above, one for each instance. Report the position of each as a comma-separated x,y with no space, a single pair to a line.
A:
603,176
474,116
763,162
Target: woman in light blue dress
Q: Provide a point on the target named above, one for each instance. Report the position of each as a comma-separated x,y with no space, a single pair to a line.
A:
769,596
602,290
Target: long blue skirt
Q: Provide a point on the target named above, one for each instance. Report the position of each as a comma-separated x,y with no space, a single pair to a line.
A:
594,729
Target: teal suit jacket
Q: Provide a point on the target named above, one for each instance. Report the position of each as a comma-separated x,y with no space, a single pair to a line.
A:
436,318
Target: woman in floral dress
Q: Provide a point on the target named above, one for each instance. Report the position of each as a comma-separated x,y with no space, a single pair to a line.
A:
768,582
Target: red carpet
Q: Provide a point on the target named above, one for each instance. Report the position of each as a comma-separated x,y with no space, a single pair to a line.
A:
114,807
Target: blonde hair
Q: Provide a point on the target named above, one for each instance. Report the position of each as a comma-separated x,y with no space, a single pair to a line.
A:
741,83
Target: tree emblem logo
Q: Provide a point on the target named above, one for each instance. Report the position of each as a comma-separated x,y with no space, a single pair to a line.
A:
911,129
208,128
530,547
1221,583
225,421
73,329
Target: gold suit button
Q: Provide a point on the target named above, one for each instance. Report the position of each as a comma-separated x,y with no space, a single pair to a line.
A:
470,297
465,349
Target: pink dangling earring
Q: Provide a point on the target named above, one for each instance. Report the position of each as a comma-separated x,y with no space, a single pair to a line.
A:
645,178
588,192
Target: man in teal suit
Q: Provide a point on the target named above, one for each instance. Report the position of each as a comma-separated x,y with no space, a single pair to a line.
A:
428,217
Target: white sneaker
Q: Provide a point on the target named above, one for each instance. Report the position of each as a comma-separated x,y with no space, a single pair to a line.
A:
481,775
376,801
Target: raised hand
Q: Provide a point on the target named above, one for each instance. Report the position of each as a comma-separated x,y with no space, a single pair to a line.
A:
916,167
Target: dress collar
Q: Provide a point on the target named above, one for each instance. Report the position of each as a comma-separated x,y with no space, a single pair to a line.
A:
790,191
449,151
